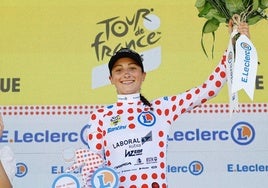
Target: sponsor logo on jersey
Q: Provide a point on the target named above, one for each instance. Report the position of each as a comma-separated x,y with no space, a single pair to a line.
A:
122,165
132,153
147,119
134,142
115,120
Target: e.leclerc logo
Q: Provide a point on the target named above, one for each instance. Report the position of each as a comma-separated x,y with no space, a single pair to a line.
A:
104,177
242,133
46,136
147,119
195,168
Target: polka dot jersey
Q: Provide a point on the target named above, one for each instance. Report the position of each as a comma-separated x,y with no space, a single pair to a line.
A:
133,138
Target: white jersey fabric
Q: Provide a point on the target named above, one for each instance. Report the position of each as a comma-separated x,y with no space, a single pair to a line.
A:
132,138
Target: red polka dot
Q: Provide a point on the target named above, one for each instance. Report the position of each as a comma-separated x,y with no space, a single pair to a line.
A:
162,165
174,107
189,96
144,186
157,102
203,101
181,102
173,98
110,113
204,85
211,77
98,146
133,177
122,178
131,126
217,69
175,117
107,153
133,186
163,176
223,74
99,136
100,123
119,104
101,110
159,111
130,110
161,133
166,112
161,144
130,118
218,84
211,93
120,111
99,129
154,176
90,136
93,117
144,176
162,154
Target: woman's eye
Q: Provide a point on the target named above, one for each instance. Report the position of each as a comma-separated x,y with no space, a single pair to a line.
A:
133,68
117,70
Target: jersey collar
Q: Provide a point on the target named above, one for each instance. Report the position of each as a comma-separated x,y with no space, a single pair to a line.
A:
128,98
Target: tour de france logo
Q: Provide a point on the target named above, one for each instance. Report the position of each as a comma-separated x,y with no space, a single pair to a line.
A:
104,178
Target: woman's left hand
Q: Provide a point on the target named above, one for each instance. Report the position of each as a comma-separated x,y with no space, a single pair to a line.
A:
242,28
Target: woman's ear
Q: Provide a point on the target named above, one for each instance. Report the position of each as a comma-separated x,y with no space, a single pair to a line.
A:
111,79
144,76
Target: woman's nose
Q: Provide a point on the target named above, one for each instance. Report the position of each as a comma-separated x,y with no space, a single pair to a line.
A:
126,73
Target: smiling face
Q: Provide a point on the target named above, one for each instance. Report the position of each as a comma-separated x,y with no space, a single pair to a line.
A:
127,76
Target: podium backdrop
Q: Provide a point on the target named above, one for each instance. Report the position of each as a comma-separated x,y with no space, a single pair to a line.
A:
53,74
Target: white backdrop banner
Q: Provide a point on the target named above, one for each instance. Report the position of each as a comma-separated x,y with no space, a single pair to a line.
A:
207,148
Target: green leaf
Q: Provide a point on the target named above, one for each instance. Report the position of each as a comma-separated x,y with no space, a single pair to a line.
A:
255,4
264,4
234,6
211,26
199,4
205,10
213,13
254,19
219,5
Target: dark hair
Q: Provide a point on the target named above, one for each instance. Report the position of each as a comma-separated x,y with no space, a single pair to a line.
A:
125,52
146,102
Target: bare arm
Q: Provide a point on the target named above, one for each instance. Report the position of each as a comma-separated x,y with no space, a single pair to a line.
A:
4,180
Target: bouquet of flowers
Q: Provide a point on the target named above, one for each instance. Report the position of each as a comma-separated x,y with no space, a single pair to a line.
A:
221,11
